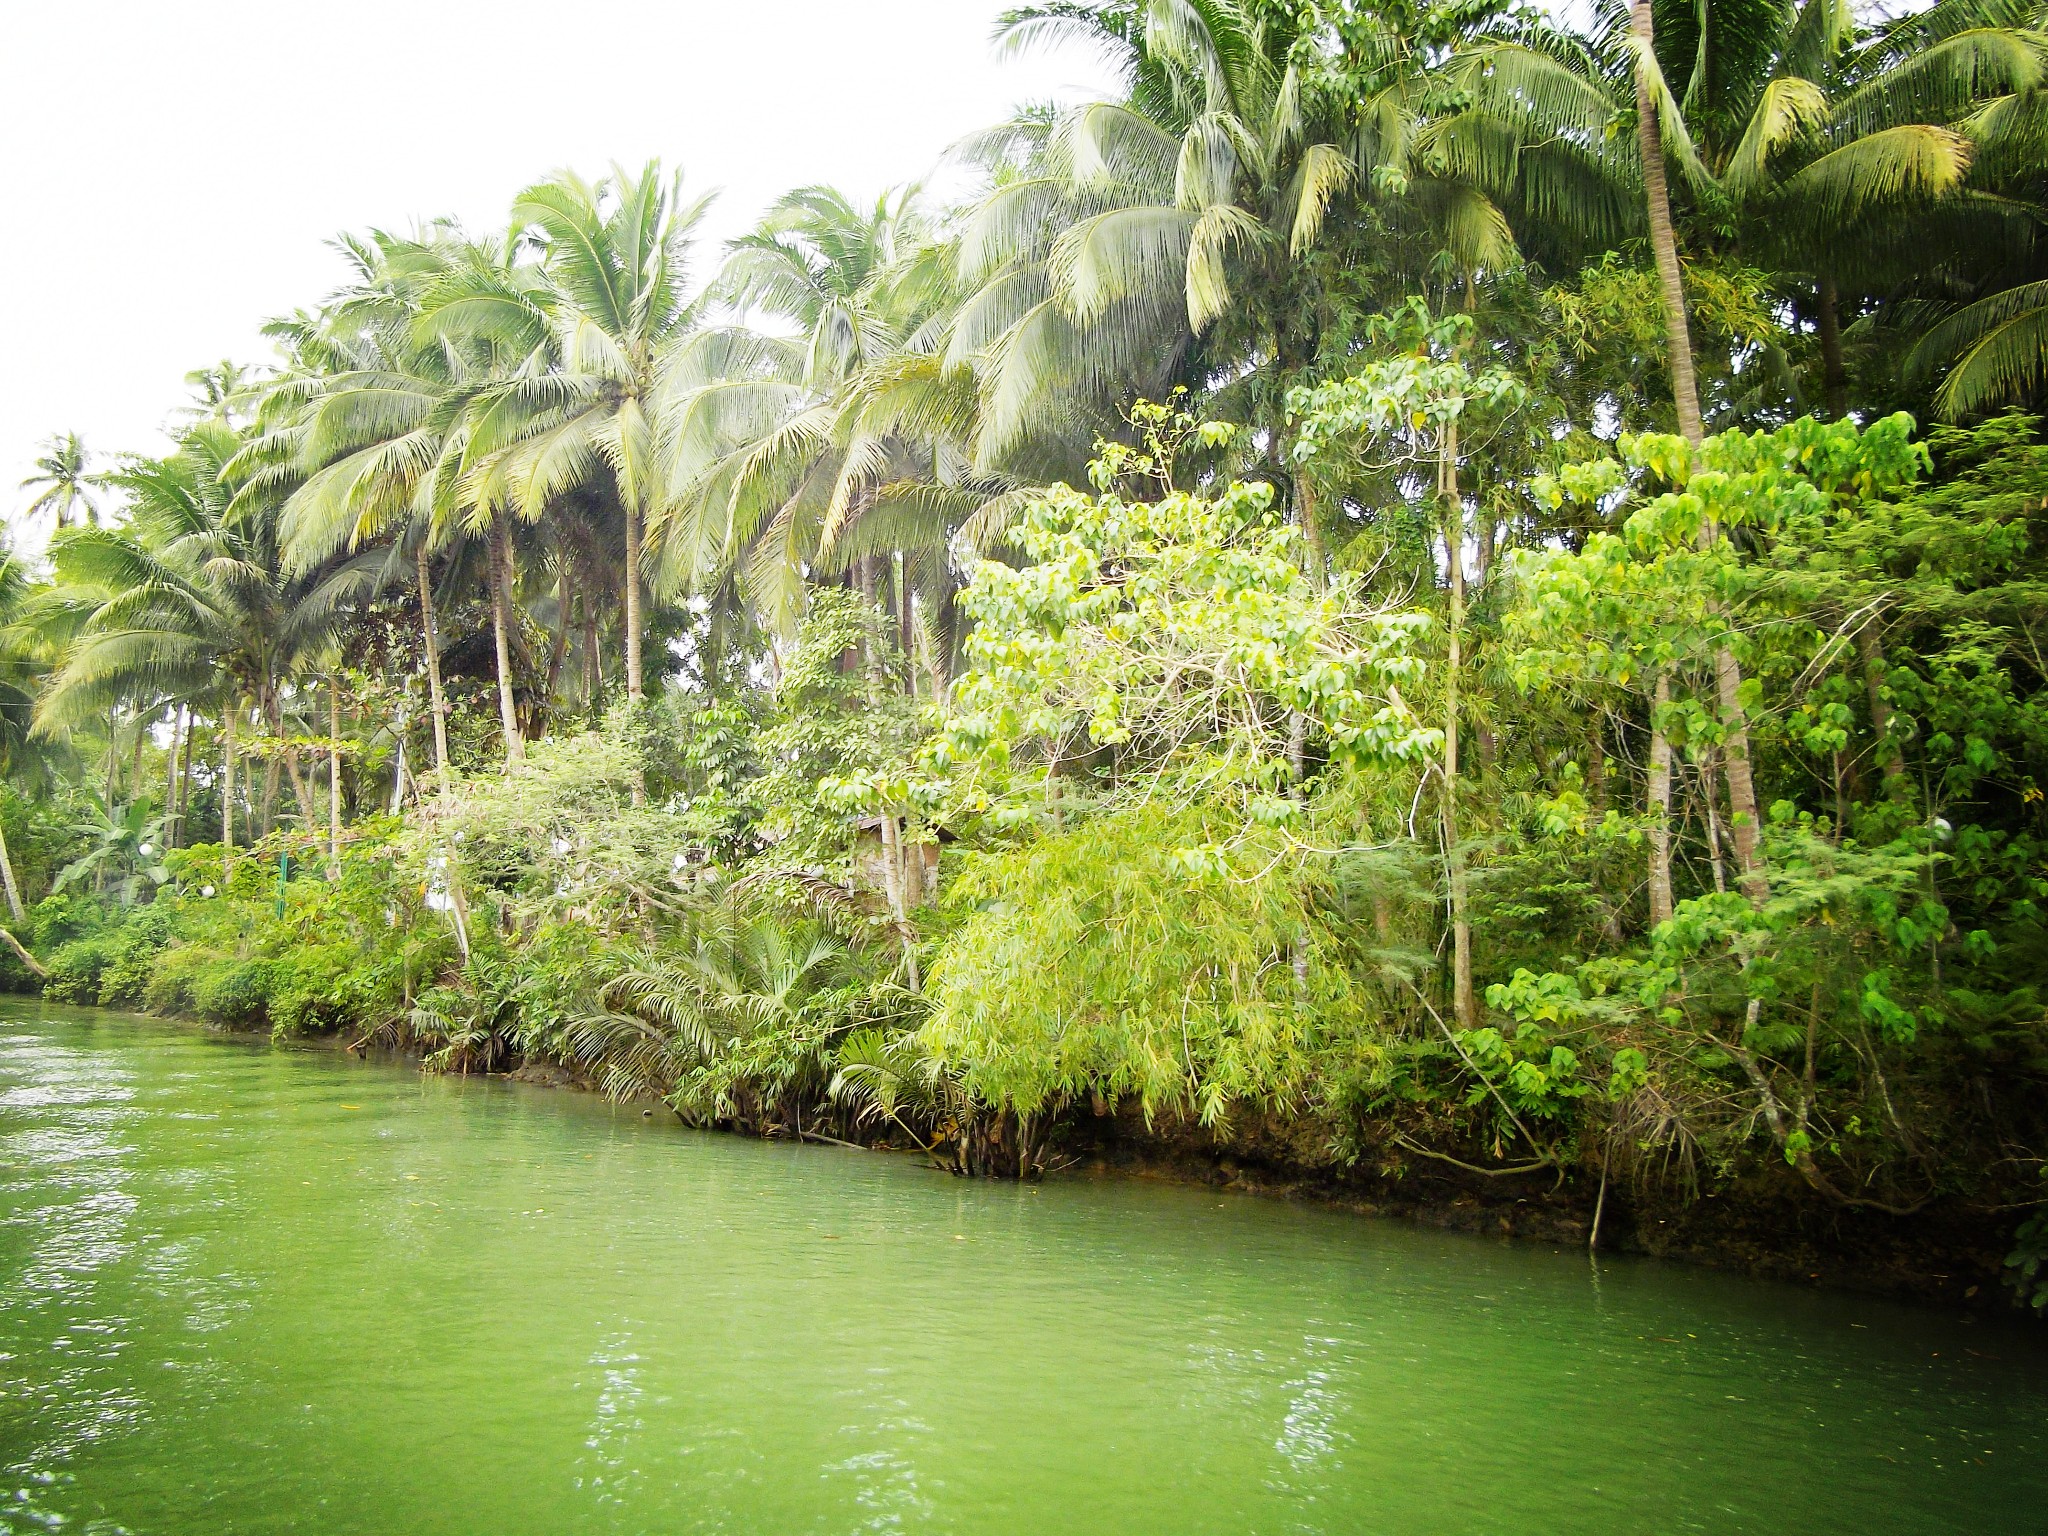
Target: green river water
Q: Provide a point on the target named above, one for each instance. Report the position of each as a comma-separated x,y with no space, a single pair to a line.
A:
246,1289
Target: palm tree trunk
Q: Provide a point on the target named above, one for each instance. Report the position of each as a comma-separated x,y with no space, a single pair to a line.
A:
1462,997
1685,397
633,681
334,777
558,648
7,874
1834,375
227,793
433,653
184,780
501,581
1663,238
135,760
638,783
1660,805
171,779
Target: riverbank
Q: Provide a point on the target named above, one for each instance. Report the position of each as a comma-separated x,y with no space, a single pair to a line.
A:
1944,1256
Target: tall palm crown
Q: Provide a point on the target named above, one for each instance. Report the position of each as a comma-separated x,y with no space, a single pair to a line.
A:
375,424
1800,139
800,454
187,600
66,481
615,254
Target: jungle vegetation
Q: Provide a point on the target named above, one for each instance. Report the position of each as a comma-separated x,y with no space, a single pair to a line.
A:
1465,588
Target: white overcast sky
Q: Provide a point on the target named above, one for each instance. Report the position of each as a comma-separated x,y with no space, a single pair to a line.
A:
176,168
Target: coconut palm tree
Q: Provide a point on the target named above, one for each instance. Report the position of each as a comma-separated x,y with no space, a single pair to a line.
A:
187,601
377,427
615,252
843,449
66,481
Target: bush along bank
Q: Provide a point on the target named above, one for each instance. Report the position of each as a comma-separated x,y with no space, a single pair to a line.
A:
1188,868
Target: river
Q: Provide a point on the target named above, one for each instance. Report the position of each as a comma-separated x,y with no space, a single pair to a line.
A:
253,1289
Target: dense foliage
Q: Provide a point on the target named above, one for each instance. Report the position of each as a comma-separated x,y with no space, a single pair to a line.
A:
1470,590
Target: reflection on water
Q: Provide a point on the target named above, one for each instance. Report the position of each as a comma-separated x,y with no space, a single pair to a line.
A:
245,1289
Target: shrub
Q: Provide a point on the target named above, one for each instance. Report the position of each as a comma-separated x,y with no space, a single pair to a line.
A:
132,955
75,969
234,993
173,977
306,992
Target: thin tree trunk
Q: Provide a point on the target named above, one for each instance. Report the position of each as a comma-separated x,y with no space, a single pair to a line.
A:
432,646
501,582
266,814
135,762
1463,999
1685,398
184,779
634,681
1685,393
302,790
1745,822
1834,375
227,793
1660,805
274,764
334,777
1872,655
1313,556
1713,816
633,677
558,647
7,874
171,777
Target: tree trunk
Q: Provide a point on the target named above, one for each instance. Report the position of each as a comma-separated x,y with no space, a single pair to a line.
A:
171,777
1872,655
1834,376
1660,805
634,682
334,777
1663,238
7,874
1463,999
558,647
301,790
135,762
633,677
1312,554
432,647
501,582
184,779
1685,398
1713,819
266,814
1745,822
227,793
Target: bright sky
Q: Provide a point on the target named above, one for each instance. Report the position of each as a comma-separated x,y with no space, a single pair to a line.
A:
177,168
